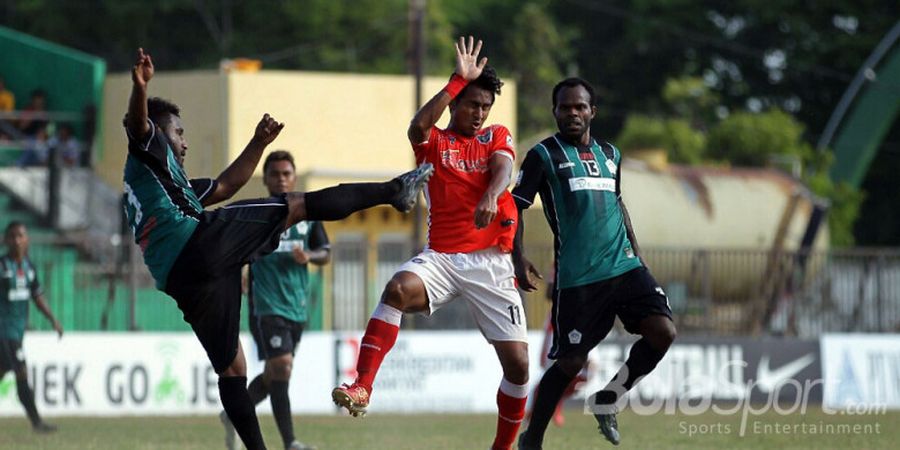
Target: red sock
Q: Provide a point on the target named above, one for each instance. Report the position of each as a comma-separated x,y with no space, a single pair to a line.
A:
379,339
511,411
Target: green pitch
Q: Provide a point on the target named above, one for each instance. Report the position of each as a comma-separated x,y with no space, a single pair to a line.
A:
464,432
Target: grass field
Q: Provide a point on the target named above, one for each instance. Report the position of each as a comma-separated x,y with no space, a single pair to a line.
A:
463,432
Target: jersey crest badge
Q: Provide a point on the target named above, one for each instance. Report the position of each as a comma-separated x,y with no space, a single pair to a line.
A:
611,166
486,137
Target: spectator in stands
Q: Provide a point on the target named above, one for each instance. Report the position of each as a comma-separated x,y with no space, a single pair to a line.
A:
7,99
66,144
31,121
7,104
37,149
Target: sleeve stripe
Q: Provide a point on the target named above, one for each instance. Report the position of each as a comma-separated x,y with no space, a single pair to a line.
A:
145,145
505,152
208,188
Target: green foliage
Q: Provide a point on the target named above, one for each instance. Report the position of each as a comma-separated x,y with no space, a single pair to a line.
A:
748,139
690,98
536,51
682,143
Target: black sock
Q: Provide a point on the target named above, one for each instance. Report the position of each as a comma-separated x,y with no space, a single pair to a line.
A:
237,404
281,408
26,396
551,388
257,390
340,201
642,359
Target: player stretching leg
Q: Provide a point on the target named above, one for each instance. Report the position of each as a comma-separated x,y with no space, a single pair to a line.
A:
599,273
196,256
472,225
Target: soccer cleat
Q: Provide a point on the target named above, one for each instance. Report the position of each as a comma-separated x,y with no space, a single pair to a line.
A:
353,397
44,428
231,442
297,445
526,446
410,184
609,427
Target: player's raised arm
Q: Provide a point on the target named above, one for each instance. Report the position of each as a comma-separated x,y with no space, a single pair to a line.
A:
141,73
236,175
468,68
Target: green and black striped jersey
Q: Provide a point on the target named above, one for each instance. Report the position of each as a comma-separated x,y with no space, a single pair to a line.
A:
162,206
579,189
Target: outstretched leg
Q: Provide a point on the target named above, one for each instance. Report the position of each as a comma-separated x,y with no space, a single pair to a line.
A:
338,202
404,293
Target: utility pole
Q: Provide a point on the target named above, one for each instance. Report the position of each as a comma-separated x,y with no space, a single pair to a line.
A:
416,63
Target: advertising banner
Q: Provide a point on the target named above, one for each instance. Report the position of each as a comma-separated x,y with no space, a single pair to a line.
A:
861,370
427,371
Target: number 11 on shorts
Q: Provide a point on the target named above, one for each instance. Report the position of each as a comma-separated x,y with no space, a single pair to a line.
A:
515,314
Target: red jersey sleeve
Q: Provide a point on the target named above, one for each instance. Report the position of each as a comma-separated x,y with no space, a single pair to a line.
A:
502,142
425,151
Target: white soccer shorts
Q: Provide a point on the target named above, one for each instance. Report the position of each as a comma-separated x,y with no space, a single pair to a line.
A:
484,279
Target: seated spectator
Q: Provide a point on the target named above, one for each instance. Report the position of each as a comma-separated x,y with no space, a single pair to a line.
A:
37,149
7,104
30,122
7,99
68,146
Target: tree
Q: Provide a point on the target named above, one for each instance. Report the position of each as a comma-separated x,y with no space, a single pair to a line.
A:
682,143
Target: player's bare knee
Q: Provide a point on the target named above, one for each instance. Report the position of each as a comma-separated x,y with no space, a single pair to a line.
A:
393,294
397,295
516,371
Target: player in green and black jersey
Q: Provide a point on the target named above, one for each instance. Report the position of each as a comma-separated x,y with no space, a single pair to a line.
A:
196,256
279,297
19,284
599,273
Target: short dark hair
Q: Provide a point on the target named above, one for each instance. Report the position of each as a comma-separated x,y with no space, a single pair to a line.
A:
570,83
488,80
278,155
12,226
158,110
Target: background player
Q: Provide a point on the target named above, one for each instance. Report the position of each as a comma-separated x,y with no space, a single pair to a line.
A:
18,284
279,293
471,228
599,273
196,256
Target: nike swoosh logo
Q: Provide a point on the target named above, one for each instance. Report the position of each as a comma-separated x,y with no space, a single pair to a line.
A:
767,380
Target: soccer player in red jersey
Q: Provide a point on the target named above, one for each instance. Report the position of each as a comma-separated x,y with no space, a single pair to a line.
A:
472,223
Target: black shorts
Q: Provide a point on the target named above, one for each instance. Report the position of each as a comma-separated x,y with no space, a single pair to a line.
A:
583,315
275,335
205,280
11,355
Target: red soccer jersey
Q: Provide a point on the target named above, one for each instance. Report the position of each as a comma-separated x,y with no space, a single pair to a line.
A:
461,177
